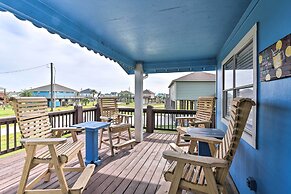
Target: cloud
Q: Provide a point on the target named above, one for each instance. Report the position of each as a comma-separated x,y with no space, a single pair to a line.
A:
23,46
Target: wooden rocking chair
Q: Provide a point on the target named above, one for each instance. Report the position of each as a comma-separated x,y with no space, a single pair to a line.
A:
202,118
208,174
32,117
119,123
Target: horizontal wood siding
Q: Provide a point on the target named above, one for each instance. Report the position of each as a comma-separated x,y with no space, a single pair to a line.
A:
193,90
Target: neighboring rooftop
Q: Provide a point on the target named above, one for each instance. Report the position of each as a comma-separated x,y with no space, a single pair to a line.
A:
57,88
148,92
195,76
86,91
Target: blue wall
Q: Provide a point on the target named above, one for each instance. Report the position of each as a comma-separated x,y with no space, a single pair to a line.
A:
270,163
57,94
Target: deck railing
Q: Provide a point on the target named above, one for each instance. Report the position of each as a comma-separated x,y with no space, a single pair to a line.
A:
10,135
153,119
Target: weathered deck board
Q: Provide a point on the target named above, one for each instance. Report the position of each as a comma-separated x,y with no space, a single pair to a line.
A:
137,170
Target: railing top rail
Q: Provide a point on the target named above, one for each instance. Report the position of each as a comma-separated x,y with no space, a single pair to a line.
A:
61,112
89,109
5,120
174,111
156,110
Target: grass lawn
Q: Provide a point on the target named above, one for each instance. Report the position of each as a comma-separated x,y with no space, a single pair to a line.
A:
9,111
131,105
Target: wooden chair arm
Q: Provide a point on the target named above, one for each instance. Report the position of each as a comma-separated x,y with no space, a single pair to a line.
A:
120,125
182,130
211,140
196,160
187,117
105,118
43,141
125,115
200,122
76,129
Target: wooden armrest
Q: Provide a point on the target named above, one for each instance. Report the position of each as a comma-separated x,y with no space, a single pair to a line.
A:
182,129
43,141
124,115
68,129
196,160
200,122
187,117
120,125
203,139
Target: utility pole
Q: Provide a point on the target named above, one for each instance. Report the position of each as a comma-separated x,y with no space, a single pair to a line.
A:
52,87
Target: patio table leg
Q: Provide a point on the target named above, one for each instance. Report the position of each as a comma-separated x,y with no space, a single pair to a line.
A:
92,156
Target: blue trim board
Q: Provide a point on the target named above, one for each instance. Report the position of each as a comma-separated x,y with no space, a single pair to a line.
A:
269,164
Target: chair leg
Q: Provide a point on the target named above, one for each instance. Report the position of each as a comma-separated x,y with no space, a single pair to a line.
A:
80,157
129,137
47,177
101,137
30,151
178,141
59,169
174,188
118,137
193,145
110,142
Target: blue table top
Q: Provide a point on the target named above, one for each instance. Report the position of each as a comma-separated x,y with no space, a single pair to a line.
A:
92,125
207,132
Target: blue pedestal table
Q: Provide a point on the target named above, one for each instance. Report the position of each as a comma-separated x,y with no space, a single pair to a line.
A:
91,129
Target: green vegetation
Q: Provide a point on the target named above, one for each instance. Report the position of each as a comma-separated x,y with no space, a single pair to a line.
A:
8,111
131,105
25,93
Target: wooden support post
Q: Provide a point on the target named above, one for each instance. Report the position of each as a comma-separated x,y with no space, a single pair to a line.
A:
78,114
150,119
97,112
138,97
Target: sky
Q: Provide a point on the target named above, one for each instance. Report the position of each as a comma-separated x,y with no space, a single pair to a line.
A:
22,46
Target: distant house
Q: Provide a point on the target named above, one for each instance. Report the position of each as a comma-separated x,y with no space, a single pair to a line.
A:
125,96
148,96
184,91
88,93
62,94
113,93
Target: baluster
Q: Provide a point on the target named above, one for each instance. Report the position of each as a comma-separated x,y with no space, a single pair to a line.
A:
7,137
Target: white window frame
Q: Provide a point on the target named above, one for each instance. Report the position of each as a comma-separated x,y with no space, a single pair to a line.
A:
249,137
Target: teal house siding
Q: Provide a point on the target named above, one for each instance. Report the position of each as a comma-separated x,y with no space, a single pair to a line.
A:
269,163
193,90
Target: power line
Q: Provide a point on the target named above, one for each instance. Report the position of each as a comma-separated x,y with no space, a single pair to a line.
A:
21,70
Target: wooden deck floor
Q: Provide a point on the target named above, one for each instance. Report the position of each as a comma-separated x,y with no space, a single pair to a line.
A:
138,170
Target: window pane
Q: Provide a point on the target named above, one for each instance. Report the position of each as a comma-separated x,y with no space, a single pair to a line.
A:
244,66
228,74
248,93
228,100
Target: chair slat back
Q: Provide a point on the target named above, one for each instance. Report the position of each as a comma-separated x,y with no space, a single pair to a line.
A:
108,106
32,117
205,108
240,110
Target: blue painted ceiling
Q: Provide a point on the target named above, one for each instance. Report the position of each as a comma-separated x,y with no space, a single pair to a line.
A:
165,35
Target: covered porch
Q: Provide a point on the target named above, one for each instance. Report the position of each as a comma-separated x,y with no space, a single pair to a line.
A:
137,170
179,36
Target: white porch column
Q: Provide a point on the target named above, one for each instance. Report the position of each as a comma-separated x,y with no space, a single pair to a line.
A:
138,99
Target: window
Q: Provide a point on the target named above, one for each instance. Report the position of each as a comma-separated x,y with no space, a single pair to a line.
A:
239,73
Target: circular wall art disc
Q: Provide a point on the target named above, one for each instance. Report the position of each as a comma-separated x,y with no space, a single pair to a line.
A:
279,73
288,51
268,77
279,45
